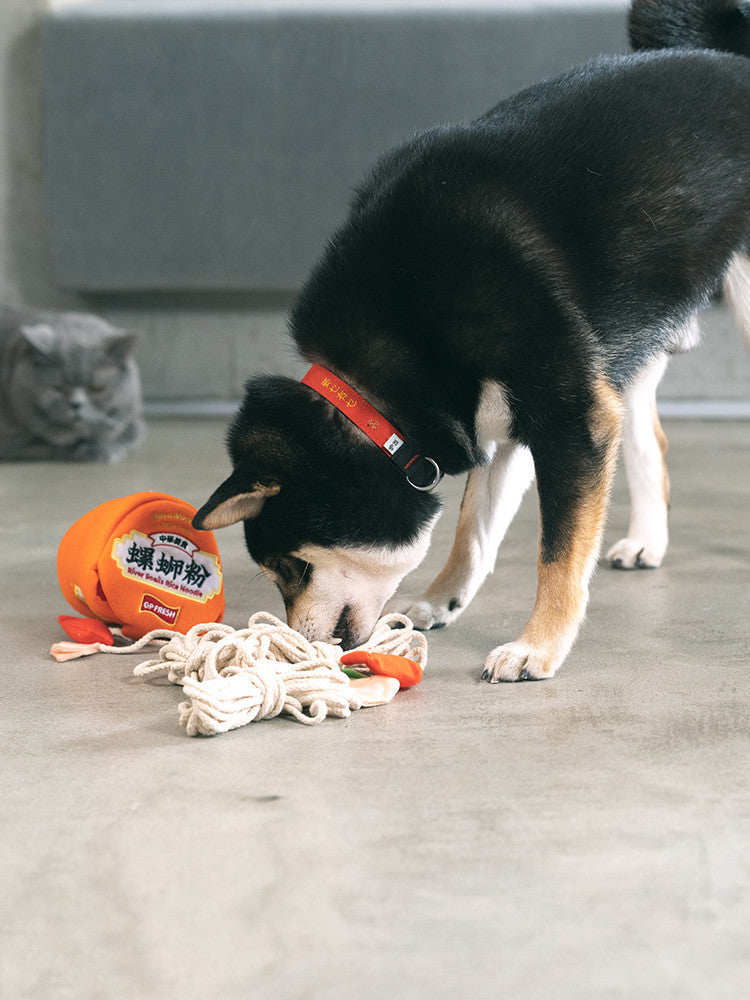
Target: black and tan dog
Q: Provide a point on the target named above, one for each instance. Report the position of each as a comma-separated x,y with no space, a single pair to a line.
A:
503,300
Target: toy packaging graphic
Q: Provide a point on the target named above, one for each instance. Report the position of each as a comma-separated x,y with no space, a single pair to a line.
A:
138,562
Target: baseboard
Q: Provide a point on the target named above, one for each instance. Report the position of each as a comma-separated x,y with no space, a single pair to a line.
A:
669,409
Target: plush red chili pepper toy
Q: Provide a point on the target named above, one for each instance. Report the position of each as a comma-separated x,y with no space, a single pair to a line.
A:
406,672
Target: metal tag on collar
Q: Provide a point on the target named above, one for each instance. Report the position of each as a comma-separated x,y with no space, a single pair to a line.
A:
436,477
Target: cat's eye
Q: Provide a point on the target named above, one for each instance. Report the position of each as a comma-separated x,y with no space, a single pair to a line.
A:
99,384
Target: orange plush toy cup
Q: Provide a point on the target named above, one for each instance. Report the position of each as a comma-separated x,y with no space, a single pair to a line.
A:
138,562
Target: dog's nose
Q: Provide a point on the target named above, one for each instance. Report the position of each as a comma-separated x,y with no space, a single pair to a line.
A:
349,631
343,628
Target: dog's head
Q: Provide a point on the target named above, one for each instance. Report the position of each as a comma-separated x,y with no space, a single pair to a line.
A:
327,517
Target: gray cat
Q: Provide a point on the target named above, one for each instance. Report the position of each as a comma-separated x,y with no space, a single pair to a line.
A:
69,388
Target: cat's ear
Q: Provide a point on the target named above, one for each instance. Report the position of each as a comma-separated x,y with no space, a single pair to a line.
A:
235,500
40,336
120,345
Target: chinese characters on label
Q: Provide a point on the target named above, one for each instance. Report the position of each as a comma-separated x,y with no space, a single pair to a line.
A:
169,561
146,558
336,390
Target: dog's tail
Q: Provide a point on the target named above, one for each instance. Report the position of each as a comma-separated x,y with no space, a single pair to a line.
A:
737,294
691,24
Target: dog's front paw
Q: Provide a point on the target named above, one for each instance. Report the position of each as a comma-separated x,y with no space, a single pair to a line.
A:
519,661
636,553
424,613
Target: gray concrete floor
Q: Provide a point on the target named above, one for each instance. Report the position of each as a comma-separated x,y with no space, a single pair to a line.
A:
584,837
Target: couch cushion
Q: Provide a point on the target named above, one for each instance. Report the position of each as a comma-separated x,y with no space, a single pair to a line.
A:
214,145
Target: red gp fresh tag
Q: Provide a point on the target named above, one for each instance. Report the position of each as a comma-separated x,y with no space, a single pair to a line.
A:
162,611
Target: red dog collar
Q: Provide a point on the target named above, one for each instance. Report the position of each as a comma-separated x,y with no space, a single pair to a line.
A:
421,472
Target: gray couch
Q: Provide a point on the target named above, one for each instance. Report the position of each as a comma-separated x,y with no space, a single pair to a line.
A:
198,153
214,145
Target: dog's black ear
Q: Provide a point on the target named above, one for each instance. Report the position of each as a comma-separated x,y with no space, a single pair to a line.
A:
233,502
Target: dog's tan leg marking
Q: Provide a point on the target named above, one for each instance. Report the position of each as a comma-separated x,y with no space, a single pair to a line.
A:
663,442
562,584
644,449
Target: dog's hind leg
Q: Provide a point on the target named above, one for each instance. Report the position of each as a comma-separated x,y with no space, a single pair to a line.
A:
574,476
491,498
644,446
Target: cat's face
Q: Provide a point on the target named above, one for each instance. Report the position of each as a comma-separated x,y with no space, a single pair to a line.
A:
75,380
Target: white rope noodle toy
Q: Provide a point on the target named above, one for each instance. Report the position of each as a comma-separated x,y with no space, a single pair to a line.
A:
237,676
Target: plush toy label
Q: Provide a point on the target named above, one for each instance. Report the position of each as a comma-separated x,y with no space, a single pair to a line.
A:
170,562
